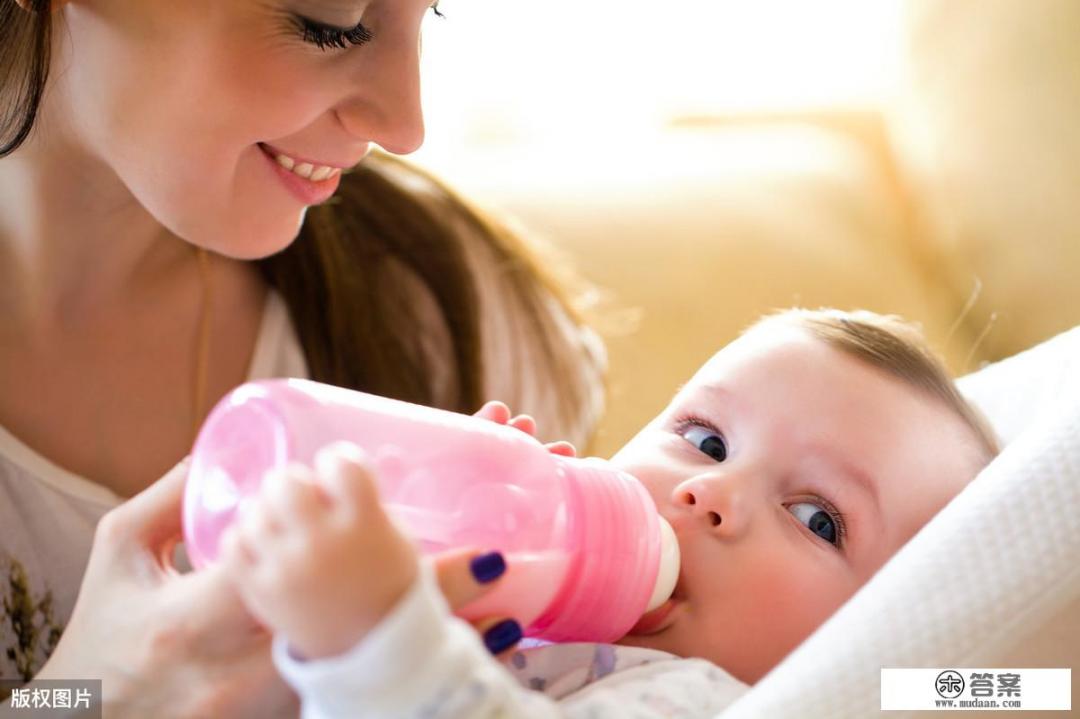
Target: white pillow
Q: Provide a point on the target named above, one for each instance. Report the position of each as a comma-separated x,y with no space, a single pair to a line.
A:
996,566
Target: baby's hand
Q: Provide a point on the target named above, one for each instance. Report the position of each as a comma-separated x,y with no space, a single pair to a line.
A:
499,413
315,557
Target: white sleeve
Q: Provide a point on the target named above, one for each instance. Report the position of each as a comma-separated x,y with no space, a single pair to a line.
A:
421,661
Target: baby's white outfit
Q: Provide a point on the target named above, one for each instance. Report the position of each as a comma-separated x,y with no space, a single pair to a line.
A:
421,661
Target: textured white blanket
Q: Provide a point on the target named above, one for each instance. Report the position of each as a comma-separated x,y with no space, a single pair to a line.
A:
995,565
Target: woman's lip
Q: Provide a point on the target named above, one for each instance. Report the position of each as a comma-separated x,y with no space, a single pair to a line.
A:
271,150
309,192
657,620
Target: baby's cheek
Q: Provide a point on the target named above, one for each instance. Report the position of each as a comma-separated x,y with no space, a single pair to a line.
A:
793,598
764,613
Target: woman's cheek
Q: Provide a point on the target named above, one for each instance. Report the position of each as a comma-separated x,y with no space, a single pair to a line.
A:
270,108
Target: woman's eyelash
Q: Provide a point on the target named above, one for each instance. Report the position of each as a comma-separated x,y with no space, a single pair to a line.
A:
324,36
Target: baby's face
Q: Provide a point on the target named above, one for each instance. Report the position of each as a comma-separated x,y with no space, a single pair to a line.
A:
751,462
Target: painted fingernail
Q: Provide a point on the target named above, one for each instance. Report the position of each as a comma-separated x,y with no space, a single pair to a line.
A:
502,636
488,567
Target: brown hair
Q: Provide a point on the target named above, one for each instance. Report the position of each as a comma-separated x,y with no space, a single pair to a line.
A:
25,44
899,348
357,328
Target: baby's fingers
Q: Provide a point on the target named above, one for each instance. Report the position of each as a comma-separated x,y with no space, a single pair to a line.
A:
562,448
499,413
525,423
494,411
344,471
292,495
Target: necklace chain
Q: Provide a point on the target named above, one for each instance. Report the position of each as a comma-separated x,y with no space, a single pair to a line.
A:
203,344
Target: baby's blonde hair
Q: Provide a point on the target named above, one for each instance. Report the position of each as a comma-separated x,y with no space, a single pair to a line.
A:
896,346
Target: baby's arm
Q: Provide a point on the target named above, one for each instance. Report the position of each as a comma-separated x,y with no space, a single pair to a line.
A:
362,629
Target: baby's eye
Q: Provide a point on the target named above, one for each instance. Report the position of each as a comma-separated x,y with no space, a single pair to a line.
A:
706,440
818,520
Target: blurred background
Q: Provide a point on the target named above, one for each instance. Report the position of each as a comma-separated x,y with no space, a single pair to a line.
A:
706,161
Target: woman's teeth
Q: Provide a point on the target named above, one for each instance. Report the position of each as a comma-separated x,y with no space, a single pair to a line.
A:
315,173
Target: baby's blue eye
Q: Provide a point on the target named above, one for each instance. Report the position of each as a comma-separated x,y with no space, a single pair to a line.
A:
706,441
818,520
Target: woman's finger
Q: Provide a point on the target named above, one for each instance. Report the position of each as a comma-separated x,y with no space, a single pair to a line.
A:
214,612
150,522
467,574
500,635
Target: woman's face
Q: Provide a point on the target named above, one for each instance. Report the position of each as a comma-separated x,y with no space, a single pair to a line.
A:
179,99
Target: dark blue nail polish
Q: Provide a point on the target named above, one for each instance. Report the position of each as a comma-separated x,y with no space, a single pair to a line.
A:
488,567
502,636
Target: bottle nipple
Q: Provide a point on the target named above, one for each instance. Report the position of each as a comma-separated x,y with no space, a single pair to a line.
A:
668,575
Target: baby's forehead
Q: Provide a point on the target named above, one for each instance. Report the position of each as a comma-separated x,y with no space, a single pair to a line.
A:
779,360
773,343
788,371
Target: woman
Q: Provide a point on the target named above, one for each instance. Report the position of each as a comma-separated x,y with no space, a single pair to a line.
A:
156,250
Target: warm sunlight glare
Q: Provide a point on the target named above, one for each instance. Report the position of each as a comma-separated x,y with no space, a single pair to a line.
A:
567,71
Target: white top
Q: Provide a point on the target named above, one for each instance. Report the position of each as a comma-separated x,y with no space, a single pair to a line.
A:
48,515
422,662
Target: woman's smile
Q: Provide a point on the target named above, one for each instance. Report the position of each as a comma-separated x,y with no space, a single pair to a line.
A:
309,183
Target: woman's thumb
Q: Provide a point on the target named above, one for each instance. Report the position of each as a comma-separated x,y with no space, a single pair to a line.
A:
153,517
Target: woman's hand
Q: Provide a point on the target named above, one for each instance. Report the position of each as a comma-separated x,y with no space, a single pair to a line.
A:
499,413
165,644
467,574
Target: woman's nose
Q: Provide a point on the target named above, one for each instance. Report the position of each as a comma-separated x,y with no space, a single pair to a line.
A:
717,503
386,107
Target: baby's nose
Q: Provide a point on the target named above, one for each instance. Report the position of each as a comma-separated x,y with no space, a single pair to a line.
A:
690,499
712,501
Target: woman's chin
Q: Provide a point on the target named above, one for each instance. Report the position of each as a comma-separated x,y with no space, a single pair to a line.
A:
257,240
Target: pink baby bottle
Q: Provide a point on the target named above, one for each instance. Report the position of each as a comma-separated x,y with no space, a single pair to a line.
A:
587,553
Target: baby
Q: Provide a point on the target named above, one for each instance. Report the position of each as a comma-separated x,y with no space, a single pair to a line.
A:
791,466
